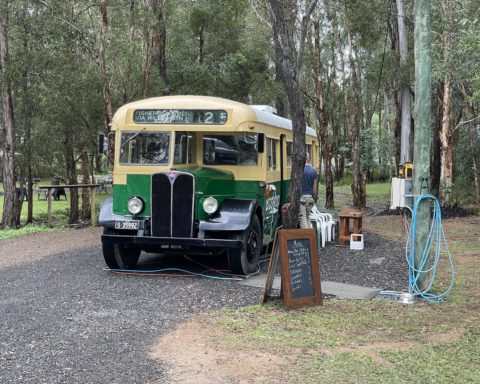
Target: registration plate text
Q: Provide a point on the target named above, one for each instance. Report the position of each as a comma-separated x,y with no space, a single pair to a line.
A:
128,224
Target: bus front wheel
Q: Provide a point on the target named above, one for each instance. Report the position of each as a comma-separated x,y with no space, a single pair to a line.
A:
246,261
118,256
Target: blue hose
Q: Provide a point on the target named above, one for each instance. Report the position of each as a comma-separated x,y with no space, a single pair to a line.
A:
435,238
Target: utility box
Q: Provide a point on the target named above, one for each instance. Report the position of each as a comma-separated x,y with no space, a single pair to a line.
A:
402,193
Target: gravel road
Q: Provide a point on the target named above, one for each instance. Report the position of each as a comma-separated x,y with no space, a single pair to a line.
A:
66,320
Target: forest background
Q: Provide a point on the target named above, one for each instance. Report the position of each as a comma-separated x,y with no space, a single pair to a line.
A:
67,66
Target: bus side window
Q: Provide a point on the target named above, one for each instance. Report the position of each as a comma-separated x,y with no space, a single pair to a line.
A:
272,154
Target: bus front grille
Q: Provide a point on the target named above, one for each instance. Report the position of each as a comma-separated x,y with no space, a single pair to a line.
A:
172,204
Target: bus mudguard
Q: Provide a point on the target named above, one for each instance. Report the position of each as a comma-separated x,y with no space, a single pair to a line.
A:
232,215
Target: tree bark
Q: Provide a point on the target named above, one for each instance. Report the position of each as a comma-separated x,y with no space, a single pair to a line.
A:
28,115
436,165
334,121
473,139
404,93
71,176
358,182
289,66
159,40
9,217
446,153
322,116
85,164
107,104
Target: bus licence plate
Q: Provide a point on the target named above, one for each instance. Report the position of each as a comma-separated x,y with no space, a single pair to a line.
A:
128,224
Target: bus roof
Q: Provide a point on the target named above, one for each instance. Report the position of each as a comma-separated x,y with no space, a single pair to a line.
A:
260,113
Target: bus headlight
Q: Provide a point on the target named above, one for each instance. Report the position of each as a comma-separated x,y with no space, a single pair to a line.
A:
135,205
210,205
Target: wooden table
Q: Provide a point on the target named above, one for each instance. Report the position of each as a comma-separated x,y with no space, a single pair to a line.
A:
345,215
93,201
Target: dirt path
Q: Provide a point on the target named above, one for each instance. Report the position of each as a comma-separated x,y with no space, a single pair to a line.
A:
37,246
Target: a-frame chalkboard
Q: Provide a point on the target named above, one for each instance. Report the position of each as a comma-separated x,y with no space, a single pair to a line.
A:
272,270
299,268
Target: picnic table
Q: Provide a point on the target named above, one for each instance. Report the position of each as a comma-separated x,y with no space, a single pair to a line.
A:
92,188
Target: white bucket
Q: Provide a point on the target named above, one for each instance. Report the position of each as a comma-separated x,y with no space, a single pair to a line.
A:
356,241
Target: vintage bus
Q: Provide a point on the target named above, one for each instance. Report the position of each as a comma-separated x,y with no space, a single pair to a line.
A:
197,174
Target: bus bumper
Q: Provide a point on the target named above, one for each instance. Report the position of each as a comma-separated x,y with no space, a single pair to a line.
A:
163,243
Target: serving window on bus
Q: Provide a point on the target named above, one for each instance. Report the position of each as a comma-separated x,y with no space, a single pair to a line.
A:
230,150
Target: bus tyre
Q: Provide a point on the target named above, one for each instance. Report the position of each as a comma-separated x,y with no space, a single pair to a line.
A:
246,261
118,256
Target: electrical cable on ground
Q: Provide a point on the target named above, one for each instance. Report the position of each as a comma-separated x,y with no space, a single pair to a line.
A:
161,272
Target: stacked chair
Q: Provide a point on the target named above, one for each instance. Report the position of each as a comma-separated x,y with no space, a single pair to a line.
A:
324,225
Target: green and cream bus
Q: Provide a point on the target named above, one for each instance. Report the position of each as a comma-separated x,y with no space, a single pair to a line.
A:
197,174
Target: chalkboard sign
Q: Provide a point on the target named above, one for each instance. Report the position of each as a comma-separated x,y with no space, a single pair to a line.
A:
299,268
299,265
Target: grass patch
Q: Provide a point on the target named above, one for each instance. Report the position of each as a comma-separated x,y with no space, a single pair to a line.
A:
377,194
60,213
372,341
7,233
451,362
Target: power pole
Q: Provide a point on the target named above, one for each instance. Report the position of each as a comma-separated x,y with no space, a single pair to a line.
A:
423,126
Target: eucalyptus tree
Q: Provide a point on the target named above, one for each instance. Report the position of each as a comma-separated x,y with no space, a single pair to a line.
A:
320,104
289,60
219,48
455,51
11,201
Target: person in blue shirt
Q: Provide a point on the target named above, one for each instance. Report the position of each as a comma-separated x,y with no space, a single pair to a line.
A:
309,193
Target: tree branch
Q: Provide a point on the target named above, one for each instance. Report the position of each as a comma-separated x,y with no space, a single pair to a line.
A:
303,35
464,122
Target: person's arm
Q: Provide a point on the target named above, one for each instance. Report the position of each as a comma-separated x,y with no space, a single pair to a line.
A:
315,188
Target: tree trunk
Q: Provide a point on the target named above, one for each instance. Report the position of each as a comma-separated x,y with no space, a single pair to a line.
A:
404,85
146,56
358,182
322,118
383,132
339,135
159,39
446,154
107,105
10,202
71,176
27,112
85,164
398,126
289,66
347,124
438,102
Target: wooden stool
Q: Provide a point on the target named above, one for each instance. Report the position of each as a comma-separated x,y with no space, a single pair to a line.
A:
344,216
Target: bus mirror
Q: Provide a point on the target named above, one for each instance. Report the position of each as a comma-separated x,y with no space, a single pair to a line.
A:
100,144
260,142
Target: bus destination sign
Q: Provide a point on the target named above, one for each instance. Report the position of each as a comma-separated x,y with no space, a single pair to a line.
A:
179,116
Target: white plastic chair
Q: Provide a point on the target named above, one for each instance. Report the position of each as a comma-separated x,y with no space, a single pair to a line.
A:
327,219
321,226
